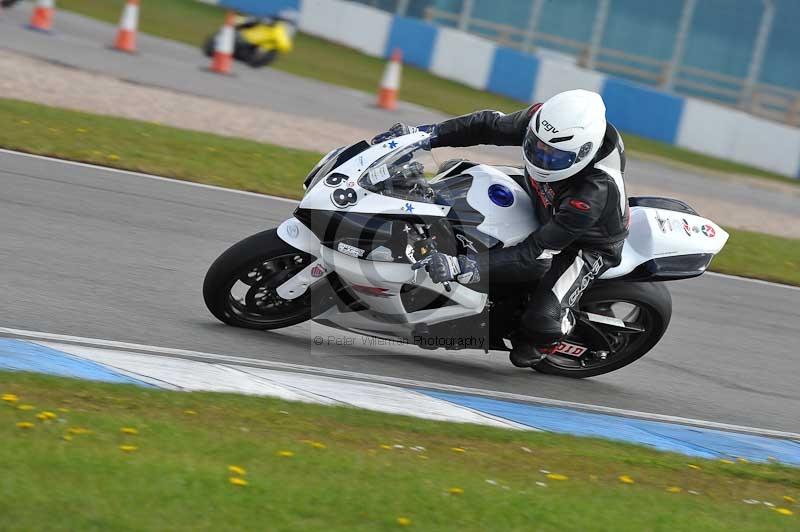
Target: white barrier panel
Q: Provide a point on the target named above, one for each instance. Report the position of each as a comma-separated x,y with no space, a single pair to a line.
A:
462,57
708,128
556,76
357,26
738,136
768,145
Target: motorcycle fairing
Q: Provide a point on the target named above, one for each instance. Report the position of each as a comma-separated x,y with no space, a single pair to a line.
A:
655,234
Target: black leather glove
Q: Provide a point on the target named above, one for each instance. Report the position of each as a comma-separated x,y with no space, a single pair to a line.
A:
444,268
399,130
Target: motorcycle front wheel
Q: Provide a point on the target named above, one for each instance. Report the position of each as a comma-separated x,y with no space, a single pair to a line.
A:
646,306
240,286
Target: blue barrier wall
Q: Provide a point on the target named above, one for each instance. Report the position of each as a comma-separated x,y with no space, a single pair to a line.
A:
260,8
642,111
513,74
415,38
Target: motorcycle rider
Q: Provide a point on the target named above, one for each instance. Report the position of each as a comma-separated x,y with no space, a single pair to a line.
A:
574,163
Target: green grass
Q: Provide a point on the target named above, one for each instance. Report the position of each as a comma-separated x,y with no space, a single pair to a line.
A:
191,22
760,256
157,149
268,169
177,478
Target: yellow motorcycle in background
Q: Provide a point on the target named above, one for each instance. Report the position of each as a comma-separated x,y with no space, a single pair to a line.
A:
259,40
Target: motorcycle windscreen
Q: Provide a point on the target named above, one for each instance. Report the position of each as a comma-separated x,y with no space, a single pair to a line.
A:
404,174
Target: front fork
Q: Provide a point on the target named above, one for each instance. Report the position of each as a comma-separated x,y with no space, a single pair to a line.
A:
300,237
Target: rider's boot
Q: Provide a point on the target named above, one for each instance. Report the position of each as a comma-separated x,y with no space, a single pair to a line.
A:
525,354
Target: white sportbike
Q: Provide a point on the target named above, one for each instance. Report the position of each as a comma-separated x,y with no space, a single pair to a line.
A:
371,211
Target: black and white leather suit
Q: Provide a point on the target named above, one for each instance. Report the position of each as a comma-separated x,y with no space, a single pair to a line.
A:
584,221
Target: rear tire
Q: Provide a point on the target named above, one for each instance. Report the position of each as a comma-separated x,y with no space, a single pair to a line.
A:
259,264
651,296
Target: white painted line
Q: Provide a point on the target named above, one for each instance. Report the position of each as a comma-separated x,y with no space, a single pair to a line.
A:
285,366
150,176
756,281
198,375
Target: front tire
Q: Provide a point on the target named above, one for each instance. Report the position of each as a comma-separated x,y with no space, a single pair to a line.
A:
240,286
653,305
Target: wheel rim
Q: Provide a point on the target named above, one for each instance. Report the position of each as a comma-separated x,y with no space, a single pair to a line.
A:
252,294
598,338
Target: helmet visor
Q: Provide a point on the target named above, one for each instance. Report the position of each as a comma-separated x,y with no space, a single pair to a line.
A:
544,156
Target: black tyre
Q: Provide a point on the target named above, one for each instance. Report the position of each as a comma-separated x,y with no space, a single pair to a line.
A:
647,305
260,58
240,287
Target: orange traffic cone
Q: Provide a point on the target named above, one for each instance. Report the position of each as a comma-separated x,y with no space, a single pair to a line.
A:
128,24
390,84
42,18
223,48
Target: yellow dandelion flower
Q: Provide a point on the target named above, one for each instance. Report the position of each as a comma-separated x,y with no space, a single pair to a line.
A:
458,449
236,481
625,479
693,466
674,489
129,430
113,157
285,454
318,445
9,398
557,476
456,491
784,511
128,448
789,499
237,470
66,437
403,521
387,447
25,425
725,461
79,430
190,412
46,416
26,407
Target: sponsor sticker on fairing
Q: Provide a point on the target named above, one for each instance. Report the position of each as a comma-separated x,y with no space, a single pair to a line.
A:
378,174
572,350
347,249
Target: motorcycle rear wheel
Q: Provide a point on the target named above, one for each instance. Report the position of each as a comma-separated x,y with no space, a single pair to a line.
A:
648,305
240,286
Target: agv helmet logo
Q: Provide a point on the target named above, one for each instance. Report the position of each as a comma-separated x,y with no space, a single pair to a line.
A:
549,127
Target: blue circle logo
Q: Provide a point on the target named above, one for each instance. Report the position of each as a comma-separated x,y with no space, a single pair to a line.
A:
501,195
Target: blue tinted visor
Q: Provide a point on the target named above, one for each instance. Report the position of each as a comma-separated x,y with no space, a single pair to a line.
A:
544,156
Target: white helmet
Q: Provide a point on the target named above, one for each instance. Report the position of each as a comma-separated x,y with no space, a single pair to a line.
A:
564,135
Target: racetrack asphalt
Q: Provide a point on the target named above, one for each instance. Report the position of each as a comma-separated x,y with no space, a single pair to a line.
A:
82,43
106,254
